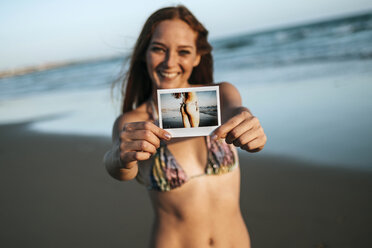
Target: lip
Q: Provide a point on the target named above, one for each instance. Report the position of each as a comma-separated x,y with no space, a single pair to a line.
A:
168,75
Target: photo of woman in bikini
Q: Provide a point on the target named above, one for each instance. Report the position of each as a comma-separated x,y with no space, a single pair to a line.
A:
190,109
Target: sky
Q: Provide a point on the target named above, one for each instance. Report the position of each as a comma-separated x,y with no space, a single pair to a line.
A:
43,31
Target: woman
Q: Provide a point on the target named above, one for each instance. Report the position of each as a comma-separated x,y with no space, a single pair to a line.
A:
189,109
193,183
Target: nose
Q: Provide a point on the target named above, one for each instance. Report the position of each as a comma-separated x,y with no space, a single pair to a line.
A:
170,59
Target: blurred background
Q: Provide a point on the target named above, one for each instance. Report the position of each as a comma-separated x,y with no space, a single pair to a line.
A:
303,68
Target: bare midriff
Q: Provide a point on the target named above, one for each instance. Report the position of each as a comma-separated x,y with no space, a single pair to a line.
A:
204,212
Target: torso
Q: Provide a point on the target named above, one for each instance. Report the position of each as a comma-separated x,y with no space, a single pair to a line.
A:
204,211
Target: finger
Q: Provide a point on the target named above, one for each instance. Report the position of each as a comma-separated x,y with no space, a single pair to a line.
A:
239,130
146,125
134,156
224,129
245,138
255,145
138,145
147,135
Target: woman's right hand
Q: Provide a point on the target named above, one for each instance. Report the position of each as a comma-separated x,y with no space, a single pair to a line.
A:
139,140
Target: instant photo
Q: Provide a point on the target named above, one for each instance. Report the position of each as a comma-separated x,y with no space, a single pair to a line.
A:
187,112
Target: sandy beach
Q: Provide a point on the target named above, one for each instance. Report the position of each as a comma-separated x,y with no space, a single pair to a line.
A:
309,83
55,192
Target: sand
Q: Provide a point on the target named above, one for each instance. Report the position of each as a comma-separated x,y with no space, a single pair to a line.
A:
55,192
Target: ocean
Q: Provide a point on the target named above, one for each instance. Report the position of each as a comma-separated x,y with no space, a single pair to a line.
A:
310,86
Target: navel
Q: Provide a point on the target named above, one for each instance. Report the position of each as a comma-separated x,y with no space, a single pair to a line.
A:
211,242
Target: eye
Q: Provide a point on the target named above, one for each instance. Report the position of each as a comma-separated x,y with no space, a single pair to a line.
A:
157,49
184,52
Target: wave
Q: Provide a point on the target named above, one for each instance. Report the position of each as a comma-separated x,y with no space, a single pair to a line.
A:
335,40
341,39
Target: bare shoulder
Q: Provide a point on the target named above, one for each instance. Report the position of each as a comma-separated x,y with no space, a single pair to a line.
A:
229,93
226,87
136,115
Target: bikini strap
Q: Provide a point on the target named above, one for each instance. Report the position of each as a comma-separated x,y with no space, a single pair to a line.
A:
208,139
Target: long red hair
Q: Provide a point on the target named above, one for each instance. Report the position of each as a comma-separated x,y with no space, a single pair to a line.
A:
137,86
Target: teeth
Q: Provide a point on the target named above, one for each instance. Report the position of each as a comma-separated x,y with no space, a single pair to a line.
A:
168,75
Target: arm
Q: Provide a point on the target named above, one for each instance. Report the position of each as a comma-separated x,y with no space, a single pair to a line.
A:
112,160
132,142
239,126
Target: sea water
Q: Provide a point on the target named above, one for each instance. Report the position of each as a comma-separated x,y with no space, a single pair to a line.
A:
309,85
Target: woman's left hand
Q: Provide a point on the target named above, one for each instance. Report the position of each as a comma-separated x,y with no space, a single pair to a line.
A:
243,130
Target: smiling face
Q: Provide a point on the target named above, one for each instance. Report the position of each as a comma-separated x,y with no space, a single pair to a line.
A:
172,54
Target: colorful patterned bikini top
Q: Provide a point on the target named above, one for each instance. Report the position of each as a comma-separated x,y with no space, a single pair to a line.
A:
165,173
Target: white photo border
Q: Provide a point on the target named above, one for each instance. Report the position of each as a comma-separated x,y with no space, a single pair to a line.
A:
194,131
